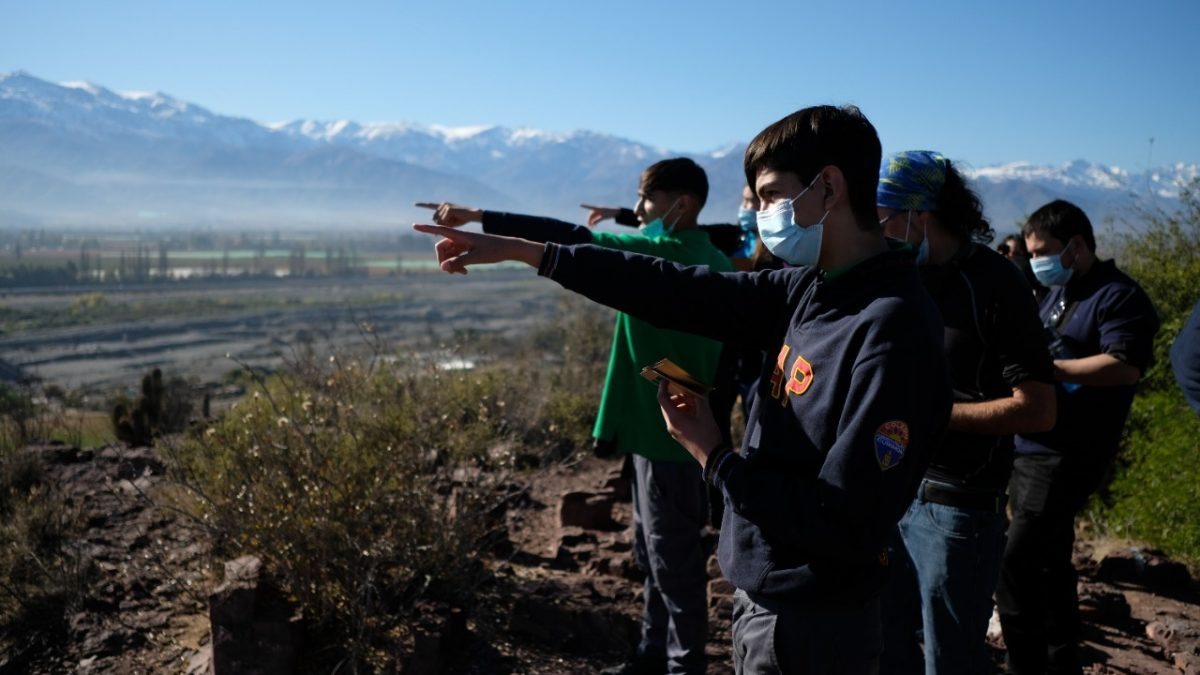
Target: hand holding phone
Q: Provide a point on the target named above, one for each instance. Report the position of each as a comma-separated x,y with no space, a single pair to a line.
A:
679,380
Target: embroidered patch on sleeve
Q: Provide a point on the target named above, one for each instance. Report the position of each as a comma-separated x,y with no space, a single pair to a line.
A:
891,441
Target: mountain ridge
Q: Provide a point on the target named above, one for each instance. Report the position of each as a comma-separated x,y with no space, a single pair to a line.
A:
85,154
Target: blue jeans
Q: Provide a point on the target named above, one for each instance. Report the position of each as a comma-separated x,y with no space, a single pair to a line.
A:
668,516
944,565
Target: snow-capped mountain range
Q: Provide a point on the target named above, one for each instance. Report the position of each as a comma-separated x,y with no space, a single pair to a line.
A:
81,155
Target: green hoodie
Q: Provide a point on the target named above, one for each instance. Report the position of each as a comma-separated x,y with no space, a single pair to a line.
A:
629,414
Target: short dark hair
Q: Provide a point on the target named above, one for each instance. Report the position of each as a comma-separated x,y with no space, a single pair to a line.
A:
676,175
1062,220
959,210
1020,241
808,140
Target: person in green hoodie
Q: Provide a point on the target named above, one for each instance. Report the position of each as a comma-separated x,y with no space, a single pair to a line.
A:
669,504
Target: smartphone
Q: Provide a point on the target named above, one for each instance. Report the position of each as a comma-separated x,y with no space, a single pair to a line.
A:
681,381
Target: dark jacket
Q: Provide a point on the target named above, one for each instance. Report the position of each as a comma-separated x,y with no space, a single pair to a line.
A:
1102,312
844,421
993,342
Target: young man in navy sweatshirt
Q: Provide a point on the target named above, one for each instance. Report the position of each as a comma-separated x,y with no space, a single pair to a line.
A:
844,419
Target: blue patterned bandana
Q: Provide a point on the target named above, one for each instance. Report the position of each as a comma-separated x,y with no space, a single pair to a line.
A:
911,181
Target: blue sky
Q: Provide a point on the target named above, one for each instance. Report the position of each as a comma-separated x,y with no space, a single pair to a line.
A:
983,82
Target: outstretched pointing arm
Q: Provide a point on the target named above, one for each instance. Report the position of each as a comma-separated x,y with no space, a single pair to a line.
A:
457,250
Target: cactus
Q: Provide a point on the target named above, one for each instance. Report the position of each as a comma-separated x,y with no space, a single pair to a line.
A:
139,425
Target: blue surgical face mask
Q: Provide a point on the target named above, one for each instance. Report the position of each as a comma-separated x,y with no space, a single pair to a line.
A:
748,219
655,229
787,239
1049,269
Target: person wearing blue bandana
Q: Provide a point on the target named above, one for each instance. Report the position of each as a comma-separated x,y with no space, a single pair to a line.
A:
1106,323
852,400
945,555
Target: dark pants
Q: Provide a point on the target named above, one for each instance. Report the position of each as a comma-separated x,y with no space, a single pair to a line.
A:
668,516
799,639
1036,597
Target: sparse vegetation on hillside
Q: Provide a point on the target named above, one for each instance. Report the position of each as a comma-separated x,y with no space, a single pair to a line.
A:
41,577
1157,483
367,483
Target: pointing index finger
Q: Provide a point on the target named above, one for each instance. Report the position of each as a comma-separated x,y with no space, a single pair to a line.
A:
448,232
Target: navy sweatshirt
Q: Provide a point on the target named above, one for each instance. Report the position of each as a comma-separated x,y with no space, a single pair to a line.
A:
844,420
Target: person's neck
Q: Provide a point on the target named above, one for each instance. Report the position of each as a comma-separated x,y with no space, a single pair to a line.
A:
685,225
1083,265
942,247
848,244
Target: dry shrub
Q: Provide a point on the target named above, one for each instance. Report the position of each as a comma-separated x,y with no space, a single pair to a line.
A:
368,482
22,421
41,578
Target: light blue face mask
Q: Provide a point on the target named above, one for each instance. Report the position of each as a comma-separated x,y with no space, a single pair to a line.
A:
655,229
1049,269
787,239
748,219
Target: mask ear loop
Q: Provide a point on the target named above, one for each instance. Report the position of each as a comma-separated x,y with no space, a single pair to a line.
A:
806,189
925,239
672,208
1064,252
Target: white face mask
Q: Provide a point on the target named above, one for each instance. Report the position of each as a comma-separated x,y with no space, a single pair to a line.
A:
787,239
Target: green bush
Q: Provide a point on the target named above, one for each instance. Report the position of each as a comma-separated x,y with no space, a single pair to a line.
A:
1162,252
1157,480
368,482
1154,490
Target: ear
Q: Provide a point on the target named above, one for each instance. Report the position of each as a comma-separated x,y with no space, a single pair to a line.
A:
689,205
833,187
1079,248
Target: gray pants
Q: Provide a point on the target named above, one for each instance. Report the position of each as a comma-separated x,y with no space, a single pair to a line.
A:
793,639
668,515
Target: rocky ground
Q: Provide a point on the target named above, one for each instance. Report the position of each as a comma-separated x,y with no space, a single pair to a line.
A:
564,597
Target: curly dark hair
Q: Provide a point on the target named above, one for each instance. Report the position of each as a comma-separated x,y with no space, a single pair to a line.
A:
959,209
